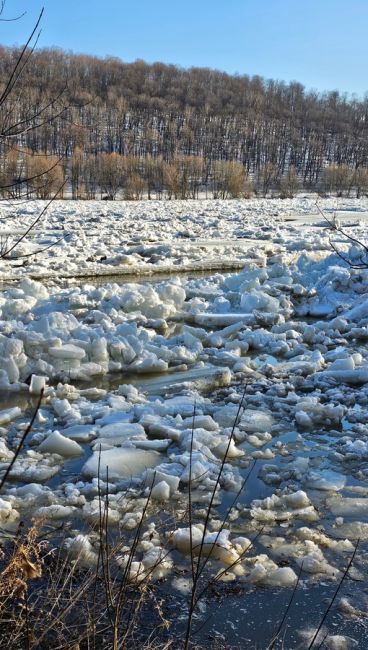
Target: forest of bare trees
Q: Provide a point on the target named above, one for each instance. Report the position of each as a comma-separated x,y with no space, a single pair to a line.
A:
132,130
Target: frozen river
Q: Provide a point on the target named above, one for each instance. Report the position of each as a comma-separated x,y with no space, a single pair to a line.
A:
195,383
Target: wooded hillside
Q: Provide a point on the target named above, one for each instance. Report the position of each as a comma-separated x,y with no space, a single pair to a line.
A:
160,130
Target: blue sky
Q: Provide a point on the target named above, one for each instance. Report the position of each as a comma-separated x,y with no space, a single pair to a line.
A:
321,43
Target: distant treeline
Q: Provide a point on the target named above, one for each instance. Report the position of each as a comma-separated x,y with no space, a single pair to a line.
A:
133,130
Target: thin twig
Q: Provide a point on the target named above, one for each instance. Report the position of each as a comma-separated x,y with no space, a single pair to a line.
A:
34,223
271,646
334,597
22,441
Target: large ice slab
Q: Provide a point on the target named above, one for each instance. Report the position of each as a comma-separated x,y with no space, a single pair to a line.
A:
121,463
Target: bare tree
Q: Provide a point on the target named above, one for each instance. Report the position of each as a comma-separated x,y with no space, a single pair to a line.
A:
360,181
360,260
112,174
338,179
229,179
171,174
14,125
45,176
267,178
289,184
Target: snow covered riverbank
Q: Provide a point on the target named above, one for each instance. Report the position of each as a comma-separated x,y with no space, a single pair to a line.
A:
285,338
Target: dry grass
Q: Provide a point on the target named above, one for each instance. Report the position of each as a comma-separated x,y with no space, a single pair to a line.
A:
21,562
47,601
